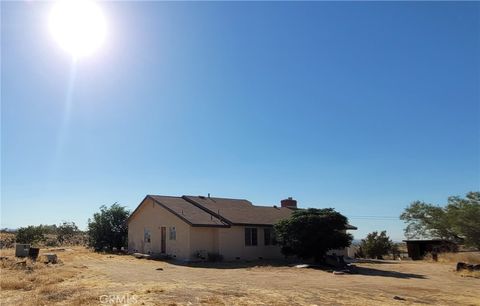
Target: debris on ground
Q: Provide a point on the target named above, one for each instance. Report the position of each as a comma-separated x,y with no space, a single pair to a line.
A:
21,249
51,258
140,255
399,298
302,266
465,266
60,250
33,253
21,263
159,269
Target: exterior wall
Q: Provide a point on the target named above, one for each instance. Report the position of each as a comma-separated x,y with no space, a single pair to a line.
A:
152,216
231,242
203,240
338,252
193,241
351,250
228,242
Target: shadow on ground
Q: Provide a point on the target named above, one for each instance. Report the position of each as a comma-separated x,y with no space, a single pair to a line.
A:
375,261
232,264
354,270
385,273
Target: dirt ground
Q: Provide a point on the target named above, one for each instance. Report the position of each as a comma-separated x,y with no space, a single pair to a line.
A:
85,277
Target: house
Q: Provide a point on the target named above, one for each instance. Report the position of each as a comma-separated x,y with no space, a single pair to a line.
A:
196,227
418,248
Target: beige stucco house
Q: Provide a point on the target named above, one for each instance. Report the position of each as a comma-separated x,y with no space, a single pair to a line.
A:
195,227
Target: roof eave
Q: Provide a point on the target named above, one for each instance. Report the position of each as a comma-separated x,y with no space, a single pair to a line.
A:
210,225
253,224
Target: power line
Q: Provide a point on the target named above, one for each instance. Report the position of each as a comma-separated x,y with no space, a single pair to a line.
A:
374,217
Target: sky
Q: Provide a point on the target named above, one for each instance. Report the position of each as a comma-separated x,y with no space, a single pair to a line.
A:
364,107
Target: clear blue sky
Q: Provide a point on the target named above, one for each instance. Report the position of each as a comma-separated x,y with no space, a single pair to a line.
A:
364,107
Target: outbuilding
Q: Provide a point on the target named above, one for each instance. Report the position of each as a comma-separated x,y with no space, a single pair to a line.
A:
418,248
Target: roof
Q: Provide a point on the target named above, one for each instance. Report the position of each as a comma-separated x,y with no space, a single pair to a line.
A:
220,212
185,211
240,212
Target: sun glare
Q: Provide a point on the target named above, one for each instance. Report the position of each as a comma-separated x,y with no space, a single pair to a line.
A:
78,26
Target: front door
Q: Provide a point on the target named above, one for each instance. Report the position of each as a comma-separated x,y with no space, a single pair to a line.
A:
164,238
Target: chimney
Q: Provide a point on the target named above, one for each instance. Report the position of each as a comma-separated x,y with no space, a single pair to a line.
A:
290,203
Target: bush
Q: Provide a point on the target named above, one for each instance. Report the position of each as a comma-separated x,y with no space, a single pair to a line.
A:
7,239
376,245
312,232
66,232
108,228
51,242
30,234
50,235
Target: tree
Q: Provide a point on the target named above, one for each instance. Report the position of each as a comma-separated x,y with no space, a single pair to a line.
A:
30,234
395,250
108,228
376,245
311,233
66,231
458,220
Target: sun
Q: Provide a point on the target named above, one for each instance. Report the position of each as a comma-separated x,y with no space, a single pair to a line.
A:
78,26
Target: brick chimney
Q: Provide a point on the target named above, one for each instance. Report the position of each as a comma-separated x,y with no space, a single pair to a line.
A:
291,203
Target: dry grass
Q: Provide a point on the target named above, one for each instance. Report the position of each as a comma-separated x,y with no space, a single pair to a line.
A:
468,257
466,273
453,258
43,284
83,276
7,240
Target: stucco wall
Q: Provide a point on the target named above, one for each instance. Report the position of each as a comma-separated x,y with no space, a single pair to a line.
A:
232,245
228,242
203,240
152,216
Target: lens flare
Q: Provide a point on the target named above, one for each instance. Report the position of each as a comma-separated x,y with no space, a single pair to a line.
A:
78,26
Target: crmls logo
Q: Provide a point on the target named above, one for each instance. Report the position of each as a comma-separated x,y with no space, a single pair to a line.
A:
125,299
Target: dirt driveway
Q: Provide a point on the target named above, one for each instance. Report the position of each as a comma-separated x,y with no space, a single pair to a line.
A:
156,282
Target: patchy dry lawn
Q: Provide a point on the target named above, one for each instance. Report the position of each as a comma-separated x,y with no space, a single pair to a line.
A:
23,282
87,278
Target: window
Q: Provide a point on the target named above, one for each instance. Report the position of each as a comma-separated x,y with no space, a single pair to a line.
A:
172,233
269,236
267,233
250,236
146,235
